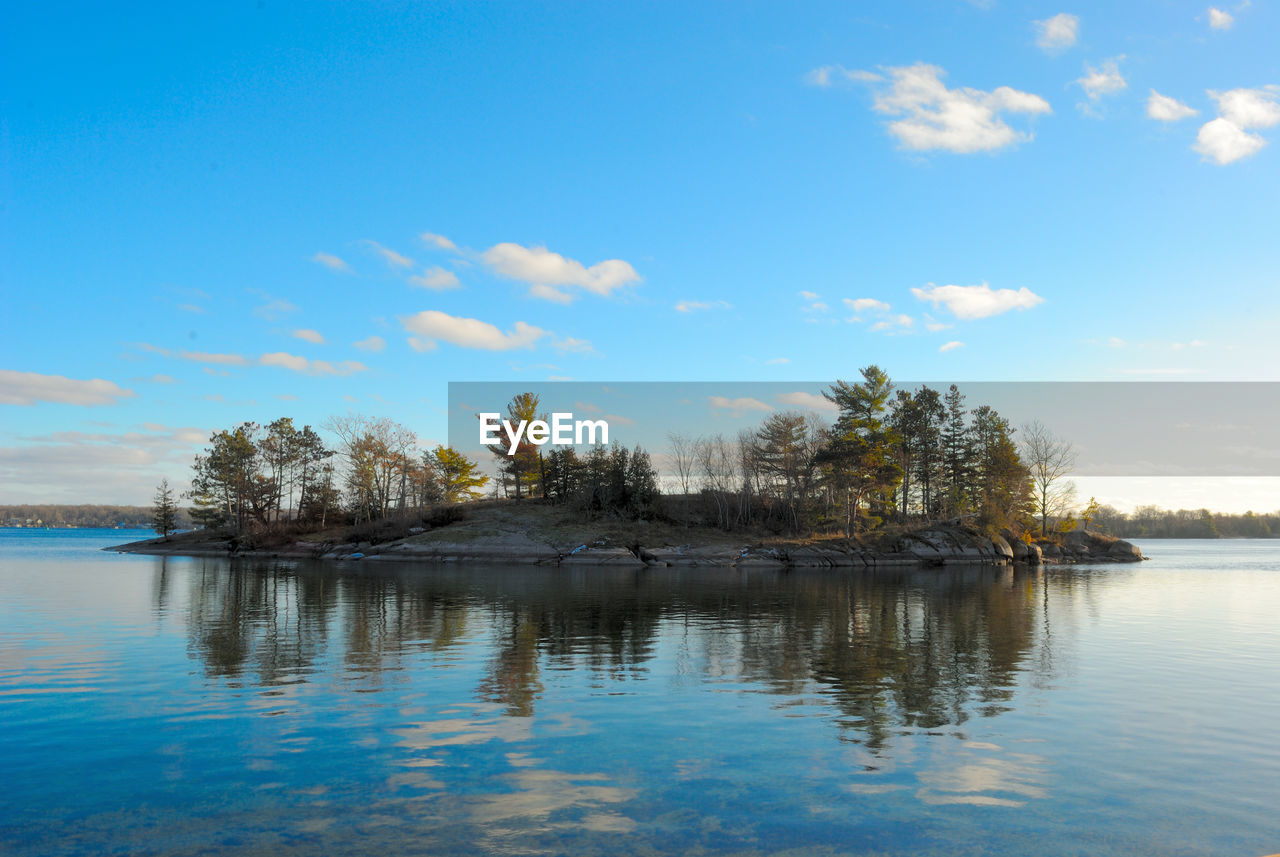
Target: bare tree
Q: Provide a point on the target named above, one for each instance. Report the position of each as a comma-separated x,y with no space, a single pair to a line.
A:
683,458
1049,458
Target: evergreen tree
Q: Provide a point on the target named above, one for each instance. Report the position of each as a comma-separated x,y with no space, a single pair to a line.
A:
860,455
164,514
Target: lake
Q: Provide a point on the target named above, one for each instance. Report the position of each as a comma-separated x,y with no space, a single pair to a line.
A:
206,706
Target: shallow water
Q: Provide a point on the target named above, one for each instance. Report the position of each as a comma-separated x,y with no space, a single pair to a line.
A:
204,706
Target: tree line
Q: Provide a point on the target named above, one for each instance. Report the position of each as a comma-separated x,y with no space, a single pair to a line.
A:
256,477
891,455
1153,522
81,515
603,480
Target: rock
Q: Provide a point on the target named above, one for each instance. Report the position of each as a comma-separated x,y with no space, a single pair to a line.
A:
601,556
1125,551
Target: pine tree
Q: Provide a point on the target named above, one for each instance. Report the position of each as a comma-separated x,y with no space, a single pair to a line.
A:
164,514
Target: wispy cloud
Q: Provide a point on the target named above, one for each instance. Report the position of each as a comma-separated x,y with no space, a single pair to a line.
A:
894,323
825,76
308,335
573,345
739,406
959,120
1054,35
813,302
438,241
332,262
216,359
274,308
1165,108
391,257
373,343
295,363
437,279
808,401
432,326
28,388
861,305
950,346
693,306
972,302
1104,79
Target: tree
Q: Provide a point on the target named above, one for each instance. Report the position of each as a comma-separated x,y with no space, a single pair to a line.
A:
225,482
1050,459
522,463
1002,484
956,451
861,450
457,474
164,516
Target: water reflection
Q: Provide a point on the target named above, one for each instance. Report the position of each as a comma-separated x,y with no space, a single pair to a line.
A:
922,650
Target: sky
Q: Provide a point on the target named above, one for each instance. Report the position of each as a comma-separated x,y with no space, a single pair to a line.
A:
253,210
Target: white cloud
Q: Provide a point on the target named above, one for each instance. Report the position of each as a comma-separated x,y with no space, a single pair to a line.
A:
1228,138
332,262
1223,142
573,345
160,379
690,306
897,321
216,359
27,388
545,270
438,241
864,304
309,336
956,120
813,302
1249,108
1220,19
808,401
312,367
274,308
391,257
824,76
950,346
970,302
777,361
1102,80
1058,33
431,326
1167,109
738,406
436,278
373,343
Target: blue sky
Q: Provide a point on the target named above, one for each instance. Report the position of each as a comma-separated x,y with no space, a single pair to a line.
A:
262,209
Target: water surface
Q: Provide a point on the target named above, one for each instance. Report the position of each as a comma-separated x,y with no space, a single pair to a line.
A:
205,706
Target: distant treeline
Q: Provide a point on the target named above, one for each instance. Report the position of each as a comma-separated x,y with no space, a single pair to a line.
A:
1152,522
84,515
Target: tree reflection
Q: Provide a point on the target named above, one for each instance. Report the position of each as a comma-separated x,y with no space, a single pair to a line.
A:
917,649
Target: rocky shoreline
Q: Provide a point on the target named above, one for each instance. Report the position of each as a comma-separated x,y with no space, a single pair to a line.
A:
521,537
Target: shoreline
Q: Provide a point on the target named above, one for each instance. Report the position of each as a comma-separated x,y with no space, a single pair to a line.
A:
529,534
